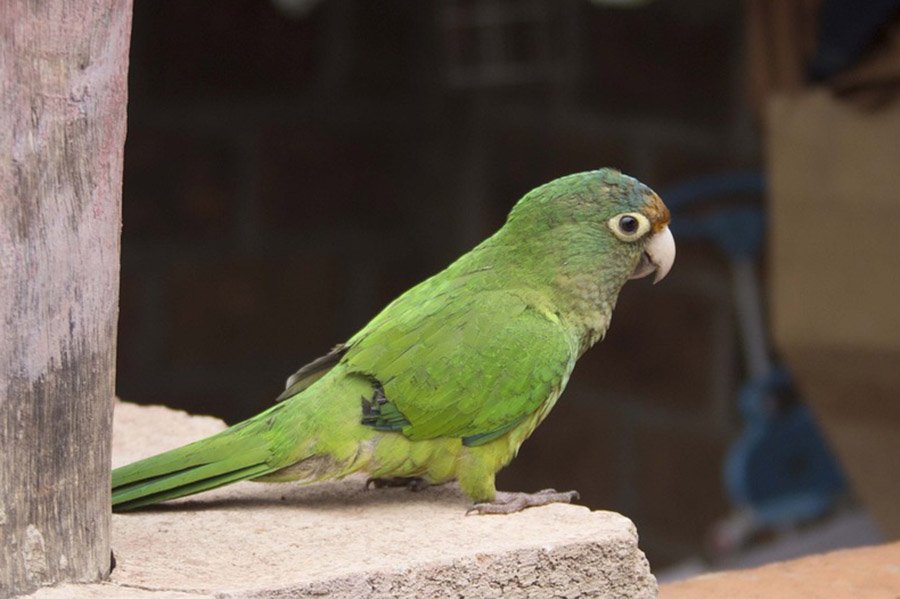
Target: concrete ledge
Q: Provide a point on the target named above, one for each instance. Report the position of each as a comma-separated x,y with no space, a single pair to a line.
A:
335,539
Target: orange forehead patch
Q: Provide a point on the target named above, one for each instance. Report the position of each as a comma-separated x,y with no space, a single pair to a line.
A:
656,211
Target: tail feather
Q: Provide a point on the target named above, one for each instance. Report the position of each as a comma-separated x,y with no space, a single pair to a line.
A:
238,453
165,488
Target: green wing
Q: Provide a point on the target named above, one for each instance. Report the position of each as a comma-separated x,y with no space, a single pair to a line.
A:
472,368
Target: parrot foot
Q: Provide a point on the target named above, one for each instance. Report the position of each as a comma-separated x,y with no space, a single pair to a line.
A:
509,503
413,483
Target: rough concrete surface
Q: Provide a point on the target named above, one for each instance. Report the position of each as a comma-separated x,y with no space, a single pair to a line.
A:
864,573
336,539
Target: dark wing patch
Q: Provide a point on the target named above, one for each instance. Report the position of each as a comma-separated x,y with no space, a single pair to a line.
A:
381,414
310,373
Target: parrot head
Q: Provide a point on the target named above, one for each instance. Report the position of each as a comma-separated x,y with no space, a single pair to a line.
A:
602,220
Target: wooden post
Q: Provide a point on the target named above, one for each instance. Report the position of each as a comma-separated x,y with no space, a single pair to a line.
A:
63,76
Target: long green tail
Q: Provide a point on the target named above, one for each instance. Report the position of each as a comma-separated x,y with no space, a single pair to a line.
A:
238,453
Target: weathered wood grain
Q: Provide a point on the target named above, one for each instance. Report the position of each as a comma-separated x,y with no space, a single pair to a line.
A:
63,76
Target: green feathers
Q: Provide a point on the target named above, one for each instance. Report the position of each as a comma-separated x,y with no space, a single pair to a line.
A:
483,374
232,455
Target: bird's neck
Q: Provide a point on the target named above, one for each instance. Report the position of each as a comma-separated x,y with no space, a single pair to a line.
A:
585,305
575,271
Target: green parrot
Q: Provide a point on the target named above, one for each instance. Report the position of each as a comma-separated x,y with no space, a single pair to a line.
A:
452,376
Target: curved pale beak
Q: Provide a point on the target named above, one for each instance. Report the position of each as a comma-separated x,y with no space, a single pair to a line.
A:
658,256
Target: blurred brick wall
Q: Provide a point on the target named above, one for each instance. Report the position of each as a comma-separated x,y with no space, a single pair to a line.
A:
285,178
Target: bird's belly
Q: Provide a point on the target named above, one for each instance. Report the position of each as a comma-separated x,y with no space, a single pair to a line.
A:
441,460
392,454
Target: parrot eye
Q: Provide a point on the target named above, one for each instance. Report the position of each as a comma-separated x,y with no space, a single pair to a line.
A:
629,226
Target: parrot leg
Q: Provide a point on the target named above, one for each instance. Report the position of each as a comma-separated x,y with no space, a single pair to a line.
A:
508,503
413,483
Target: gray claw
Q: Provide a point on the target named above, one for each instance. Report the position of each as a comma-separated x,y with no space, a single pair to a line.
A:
509,503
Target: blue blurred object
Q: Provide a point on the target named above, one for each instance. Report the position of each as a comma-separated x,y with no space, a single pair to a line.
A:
780,466
694,191
780,469
737,230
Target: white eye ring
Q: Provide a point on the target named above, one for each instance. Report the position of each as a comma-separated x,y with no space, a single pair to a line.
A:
629,226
